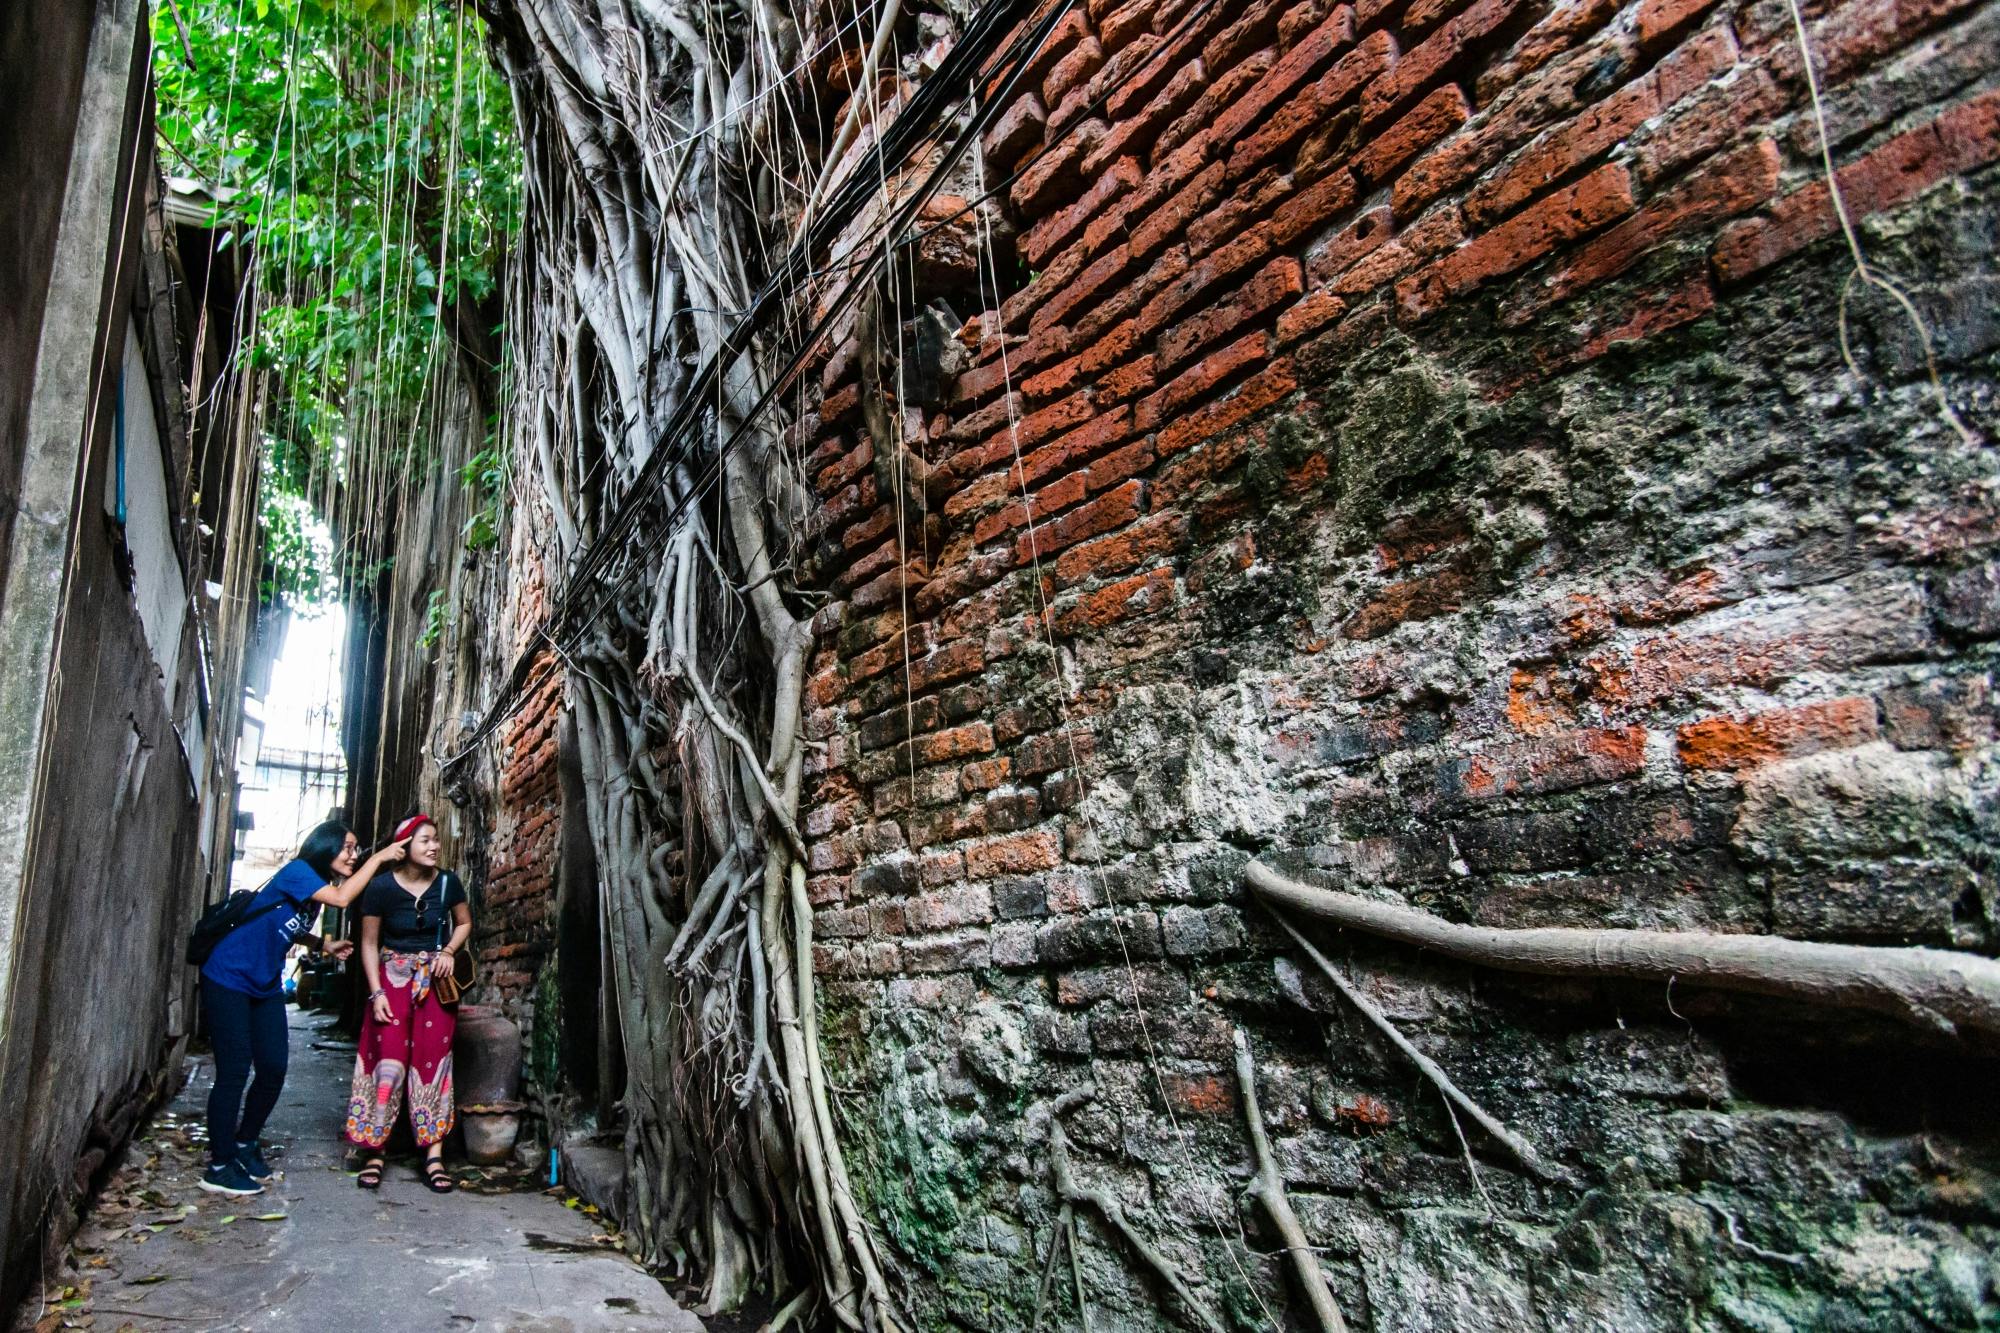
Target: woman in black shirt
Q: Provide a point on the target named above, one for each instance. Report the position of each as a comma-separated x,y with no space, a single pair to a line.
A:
414,919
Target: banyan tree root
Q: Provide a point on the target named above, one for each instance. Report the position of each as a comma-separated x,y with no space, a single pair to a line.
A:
1074,1193
1957,994
1056,1236
1523,1152
1267,1187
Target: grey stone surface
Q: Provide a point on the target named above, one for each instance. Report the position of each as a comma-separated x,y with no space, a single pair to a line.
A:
342,1258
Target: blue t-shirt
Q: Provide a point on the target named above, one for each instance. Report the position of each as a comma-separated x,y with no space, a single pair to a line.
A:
251,958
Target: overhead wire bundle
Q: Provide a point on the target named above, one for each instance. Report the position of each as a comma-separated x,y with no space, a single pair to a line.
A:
977,59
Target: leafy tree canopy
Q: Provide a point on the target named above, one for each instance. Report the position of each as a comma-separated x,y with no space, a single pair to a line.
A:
366,149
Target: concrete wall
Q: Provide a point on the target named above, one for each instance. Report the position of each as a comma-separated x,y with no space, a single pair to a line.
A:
99,812
42,54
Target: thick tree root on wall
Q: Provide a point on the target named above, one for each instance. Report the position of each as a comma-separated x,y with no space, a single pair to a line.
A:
1267,1187
1522,1150
1957,994
1075,1193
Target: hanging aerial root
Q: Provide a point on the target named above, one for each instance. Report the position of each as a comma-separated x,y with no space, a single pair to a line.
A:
1267,1187
1957,994
1522,1150
1073,1192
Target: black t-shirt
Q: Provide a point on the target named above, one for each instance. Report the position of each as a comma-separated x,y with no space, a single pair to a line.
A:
410,923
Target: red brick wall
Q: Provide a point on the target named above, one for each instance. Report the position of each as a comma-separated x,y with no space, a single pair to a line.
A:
1443,477
517,922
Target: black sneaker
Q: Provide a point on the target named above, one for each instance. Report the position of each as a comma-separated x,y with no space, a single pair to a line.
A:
228,1178
252,1162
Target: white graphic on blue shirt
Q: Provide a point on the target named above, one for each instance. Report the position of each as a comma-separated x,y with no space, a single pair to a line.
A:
251,958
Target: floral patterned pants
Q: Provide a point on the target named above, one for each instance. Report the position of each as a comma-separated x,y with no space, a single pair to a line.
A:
414,1051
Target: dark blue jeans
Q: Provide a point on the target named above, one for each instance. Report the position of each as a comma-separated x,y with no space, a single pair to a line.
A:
247,1033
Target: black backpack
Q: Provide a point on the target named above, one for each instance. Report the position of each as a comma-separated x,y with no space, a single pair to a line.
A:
218,921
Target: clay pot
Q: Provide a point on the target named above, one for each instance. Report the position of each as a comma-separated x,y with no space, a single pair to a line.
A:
486,1057
490,1130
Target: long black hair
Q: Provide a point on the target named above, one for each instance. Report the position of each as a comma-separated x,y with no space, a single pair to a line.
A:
322,845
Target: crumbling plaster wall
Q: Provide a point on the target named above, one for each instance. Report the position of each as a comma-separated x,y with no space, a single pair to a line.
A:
104,871
1446,484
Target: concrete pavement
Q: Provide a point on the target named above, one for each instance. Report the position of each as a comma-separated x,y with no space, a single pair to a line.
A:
315,1252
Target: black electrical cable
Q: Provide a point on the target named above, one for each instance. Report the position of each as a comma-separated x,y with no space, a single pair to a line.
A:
853,194
921,116
609,591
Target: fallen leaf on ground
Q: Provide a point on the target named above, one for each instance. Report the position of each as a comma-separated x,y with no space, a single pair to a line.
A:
270,1217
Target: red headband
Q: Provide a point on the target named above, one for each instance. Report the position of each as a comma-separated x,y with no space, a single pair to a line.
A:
409,827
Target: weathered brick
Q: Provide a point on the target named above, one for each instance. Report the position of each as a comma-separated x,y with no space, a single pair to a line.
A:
1313,108
1073,29
1265,389
892,876
1554,763
1201,932
1106,269
1192,131
948,909
1733,184
1601,197
1597,128
1277,283
1056,177
1285,77
1309,316
1437,115
1048,754
1964,137
1111,510
1065,940
1140,595
1059,229
1658,20
947,663
1014,854
1745,742
1171,219
948,953
957,743
1213,372
1426,62
1767,643
1083,60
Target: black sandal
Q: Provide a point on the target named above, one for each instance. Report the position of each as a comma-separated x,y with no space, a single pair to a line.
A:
437,1178
370,1175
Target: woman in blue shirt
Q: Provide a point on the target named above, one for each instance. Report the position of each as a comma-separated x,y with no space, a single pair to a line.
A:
245,1003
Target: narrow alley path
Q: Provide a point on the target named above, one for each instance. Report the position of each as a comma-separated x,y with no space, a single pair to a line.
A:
315,1252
